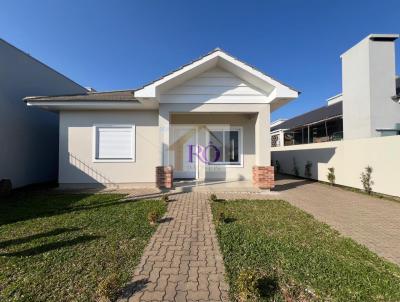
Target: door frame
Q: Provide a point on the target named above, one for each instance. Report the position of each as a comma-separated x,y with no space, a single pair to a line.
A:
196,163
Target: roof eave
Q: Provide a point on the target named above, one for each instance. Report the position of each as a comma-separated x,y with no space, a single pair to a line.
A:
93,105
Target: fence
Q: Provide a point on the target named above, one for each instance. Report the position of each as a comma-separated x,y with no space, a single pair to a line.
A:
349,158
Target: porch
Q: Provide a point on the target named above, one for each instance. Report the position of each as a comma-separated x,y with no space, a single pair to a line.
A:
215,151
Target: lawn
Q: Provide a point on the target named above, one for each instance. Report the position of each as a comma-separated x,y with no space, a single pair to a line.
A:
70,247
276,252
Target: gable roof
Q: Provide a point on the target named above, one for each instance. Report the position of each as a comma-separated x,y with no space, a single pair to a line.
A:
276,92
201,58
272,88
311,117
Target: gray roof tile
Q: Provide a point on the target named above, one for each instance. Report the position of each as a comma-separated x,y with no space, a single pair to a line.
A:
313,116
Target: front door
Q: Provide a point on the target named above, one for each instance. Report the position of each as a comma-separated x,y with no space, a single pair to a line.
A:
184,142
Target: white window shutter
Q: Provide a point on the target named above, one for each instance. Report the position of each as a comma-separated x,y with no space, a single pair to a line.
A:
115,143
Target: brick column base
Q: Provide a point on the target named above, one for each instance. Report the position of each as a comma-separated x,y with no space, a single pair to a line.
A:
263,177
164,177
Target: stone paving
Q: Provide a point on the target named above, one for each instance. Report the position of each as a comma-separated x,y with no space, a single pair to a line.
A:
182,261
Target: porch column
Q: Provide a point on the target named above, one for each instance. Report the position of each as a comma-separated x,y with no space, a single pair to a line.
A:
263,138
164,171
263,172
282,138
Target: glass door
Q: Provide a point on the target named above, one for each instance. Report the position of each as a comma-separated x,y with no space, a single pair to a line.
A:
183,151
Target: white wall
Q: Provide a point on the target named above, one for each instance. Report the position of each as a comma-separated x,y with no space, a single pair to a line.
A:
349,158
28,136
368,80
76,149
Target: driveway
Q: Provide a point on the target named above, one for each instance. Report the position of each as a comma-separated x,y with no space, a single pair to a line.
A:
371,221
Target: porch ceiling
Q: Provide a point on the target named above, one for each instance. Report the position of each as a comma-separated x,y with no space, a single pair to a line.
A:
210,118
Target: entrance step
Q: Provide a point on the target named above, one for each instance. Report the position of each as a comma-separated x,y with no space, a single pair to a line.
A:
234,186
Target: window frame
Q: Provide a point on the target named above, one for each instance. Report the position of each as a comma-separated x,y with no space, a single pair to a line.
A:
240,164
112,160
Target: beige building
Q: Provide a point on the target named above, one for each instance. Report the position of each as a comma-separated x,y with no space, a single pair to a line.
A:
207,121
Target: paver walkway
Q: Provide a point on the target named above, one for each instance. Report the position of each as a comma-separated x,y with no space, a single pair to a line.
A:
182,261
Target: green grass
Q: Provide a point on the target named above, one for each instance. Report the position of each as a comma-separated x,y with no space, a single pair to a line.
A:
61,247
298,257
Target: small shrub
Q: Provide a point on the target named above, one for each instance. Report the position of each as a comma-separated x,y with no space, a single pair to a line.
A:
108,288
153,217
277,166
252,285
307,169
213,197
366,179
256,285
5,187
331,175
295,168
221,217
165,198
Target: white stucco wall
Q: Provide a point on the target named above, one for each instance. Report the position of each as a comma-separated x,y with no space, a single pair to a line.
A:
368,80
349,158
77,167
28,136
76,149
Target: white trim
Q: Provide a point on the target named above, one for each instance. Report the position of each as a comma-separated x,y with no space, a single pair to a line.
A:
108,160
196,127
241,155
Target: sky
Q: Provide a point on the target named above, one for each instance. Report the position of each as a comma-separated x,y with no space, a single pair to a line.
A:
113,45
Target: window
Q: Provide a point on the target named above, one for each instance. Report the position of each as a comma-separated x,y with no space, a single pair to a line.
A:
225,146
115,142
275,140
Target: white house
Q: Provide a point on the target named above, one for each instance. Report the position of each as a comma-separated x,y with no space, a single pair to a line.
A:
28,136
208,120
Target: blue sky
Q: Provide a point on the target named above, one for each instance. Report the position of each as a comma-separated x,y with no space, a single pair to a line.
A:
123,44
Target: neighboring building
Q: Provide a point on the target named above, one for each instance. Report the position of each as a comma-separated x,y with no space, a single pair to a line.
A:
28,136
364,109
319,125
208,120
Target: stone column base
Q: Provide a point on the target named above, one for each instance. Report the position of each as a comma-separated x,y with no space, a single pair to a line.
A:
164,177
263,177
